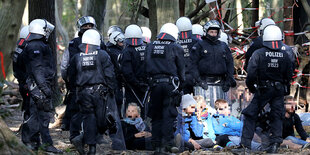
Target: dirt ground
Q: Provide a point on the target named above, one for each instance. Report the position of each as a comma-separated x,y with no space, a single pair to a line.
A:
61,141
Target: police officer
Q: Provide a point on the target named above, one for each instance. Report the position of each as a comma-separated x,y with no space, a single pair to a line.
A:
187,41
269,71
19,68
41,70
164,66
197,31
95,81
133,67
72,118
214,64
115,45
257,42
146,34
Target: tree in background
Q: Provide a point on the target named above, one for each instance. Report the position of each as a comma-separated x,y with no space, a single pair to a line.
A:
11,12
46,10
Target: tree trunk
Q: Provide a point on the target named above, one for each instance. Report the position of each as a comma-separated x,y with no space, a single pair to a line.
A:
60,29
288,25
11,13
152,17
39,9
96,9
9,143
182,8
255,4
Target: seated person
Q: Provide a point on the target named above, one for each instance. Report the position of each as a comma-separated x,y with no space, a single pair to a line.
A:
136,133
226,128
191,130
292,120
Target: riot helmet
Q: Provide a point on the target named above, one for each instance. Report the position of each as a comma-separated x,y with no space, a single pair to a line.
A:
170,29
133,31
24,32
212,25
272,33
114,28
146,34
184,24
116,37
224,37
197,29
91,37
272,37
263,23
85,20
42,27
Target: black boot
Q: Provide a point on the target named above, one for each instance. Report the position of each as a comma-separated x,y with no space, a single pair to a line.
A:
92,149
78,144
273,148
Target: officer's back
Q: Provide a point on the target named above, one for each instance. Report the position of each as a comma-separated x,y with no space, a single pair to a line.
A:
165,57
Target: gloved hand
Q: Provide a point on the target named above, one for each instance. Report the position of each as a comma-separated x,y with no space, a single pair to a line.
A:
225,88
203,85
46,91
233,82
47,105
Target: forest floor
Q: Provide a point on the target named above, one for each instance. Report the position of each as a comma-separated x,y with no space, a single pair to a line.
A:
61,141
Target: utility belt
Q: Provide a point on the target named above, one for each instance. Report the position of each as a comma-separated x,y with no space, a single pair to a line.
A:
265,84
165,79
161,78
93,88
213,79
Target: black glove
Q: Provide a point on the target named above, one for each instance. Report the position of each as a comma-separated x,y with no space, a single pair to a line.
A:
46,91
225,88
203,85
233,82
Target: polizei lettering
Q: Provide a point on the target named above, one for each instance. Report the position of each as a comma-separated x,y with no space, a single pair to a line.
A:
185,41
274,54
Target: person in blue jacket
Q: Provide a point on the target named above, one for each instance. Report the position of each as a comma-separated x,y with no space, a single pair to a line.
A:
225,129
191,129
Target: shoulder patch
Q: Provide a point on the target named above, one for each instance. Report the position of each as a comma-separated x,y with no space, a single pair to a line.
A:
283,48
36,52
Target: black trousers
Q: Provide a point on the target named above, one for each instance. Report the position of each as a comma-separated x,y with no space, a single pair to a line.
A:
25,95
269,95
163,114
36,124
89,103
73,117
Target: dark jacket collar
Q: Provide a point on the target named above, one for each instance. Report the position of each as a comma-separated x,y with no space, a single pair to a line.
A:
85,48
165,36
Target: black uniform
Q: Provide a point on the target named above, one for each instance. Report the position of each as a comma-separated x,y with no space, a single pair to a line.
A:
115,52
133,69
187,41
19,71
255,45
72,118
164,61
94,77
40,66
258,43
270,70
213,62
